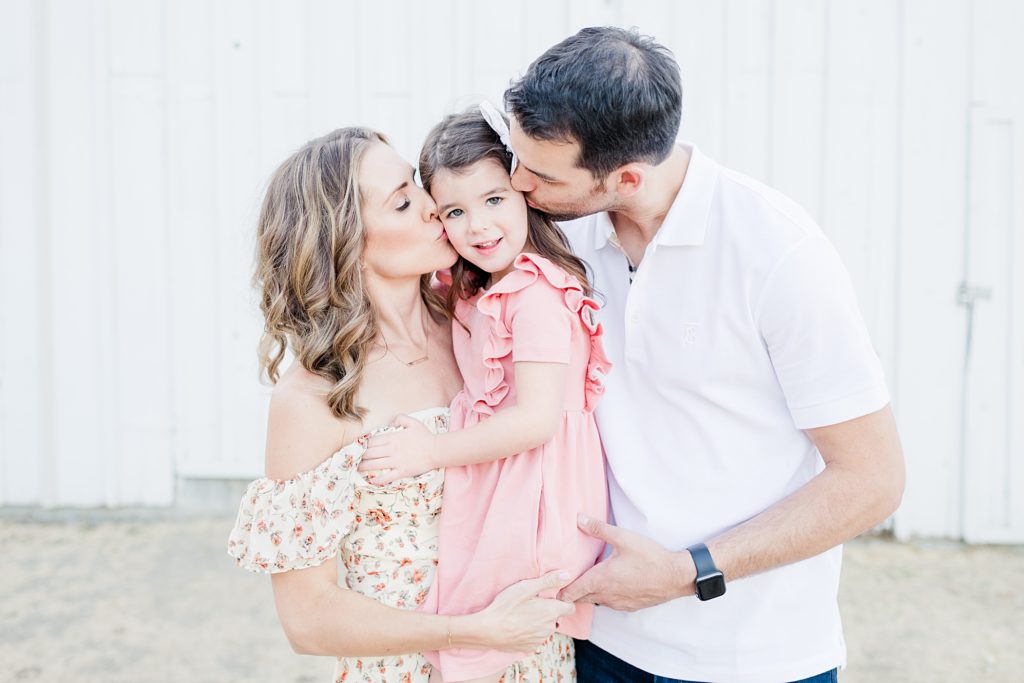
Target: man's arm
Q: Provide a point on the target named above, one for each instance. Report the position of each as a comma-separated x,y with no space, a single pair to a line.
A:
861,485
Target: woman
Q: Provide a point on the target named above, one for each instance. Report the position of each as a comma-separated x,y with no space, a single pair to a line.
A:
346,244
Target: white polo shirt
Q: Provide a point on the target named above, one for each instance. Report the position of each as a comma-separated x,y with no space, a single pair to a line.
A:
739,330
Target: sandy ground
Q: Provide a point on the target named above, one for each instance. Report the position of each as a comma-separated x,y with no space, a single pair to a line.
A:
142,601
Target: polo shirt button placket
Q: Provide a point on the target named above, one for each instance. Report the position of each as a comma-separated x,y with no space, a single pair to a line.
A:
632,336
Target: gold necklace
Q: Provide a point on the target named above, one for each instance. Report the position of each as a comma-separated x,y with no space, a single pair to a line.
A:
407,363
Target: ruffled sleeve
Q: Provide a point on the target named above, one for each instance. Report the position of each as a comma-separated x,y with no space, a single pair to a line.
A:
542,325
533,311
296,523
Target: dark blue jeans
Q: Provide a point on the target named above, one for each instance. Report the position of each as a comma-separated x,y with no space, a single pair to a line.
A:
594,665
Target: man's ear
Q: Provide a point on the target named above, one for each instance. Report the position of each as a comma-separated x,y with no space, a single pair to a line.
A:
627,180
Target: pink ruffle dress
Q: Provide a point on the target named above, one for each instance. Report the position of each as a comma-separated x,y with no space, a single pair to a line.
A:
513,519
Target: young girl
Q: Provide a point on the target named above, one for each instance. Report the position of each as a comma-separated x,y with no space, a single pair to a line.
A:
523,458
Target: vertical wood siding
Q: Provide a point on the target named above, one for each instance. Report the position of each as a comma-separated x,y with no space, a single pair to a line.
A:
137,137
992,465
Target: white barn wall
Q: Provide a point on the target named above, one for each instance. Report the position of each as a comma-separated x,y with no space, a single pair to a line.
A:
138,149
24,372
930,326
992,470
81,292
193,244
140,136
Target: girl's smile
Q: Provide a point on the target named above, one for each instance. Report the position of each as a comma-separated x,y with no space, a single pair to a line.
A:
487,248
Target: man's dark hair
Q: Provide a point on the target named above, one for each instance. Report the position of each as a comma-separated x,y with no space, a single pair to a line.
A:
611,90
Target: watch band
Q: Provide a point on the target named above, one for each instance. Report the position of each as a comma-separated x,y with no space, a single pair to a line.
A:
702,559
710,582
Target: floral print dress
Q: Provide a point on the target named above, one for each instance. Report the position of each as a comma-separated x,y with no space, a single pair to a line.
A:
386,538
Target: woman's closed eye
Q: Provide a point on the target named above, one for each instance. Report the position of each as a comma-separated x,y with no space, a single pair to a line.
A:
406,203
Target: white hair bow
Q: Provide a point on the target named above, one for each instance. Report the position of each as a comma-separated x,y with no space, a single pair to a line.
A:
497,123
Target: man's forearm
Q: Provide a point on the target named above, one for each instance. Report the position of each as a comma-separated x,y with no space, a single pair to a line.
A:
861,485
821,515
859,488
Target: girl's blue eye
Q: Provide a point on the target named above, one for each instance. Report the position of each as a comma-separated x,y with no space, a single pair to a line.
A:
493,201
454,213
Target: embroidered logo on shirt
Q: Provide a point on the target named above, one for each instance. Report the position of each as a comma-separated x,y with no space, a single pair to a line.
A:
690,334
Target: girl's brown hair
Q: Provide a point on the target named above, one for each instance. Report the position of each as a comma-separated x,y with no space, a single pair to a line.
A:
455,144
309,240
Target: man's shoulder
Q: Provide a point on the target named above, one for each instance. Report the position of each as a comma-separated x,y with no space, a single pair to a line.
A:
750,198
758,223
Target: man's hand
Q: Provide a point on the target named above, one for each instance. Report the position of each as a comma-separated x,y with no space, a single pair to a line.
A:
396,455
639,573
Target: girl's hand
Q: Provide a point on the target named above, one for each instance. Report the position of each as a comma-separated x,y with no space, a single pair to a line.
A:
516,620
397,455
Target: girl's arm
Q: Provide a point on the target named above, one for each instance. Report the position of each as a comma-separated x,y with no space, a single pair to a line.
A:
532,421
542,326
322,618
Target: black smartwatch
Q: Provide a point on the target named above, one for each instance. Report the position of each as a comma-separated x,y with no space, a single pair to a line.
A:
710,581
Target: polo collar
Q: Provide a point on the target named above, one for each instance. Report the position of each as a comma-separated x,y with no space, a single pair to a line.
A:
687,219
686,222
605,230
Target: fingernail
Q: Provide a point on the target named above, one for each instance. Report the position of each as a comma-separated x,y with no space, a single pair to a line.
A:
582,520
563,576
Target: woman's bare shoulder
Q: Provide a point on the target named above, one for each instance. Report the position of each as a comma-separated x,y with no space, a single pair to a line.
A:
302,431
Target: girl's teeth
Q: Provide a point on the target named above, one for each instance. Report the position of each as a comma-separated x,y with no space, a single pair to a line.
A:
487,245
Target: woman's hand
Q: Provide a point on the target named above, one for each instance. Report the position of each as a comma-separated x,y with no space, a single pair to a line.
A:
516,620
396,455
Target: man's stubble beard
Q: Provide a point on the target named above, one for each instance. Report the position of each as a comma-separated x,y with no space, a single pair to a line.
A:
576,210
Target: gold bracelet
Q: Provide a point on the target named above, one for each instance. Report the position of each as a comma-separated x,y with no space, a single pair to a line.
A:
449,633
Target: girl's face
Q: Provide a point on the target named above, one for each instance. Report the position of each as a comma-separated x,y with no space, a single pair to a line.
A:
484,217
403,234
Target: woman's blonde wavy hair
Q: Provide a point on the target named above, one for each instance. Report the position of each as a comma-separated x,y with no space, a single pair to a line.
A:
309,241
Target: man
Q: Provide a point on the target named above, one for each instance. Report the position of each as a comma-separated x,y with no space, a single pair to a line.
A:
746,423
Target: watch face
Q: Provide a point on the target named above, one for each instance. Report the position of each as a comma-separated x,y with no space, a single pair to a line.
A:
711,586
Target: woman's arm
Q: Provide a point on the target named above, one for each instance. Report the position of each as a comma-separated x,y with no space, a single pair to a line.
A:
532,421
321,618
